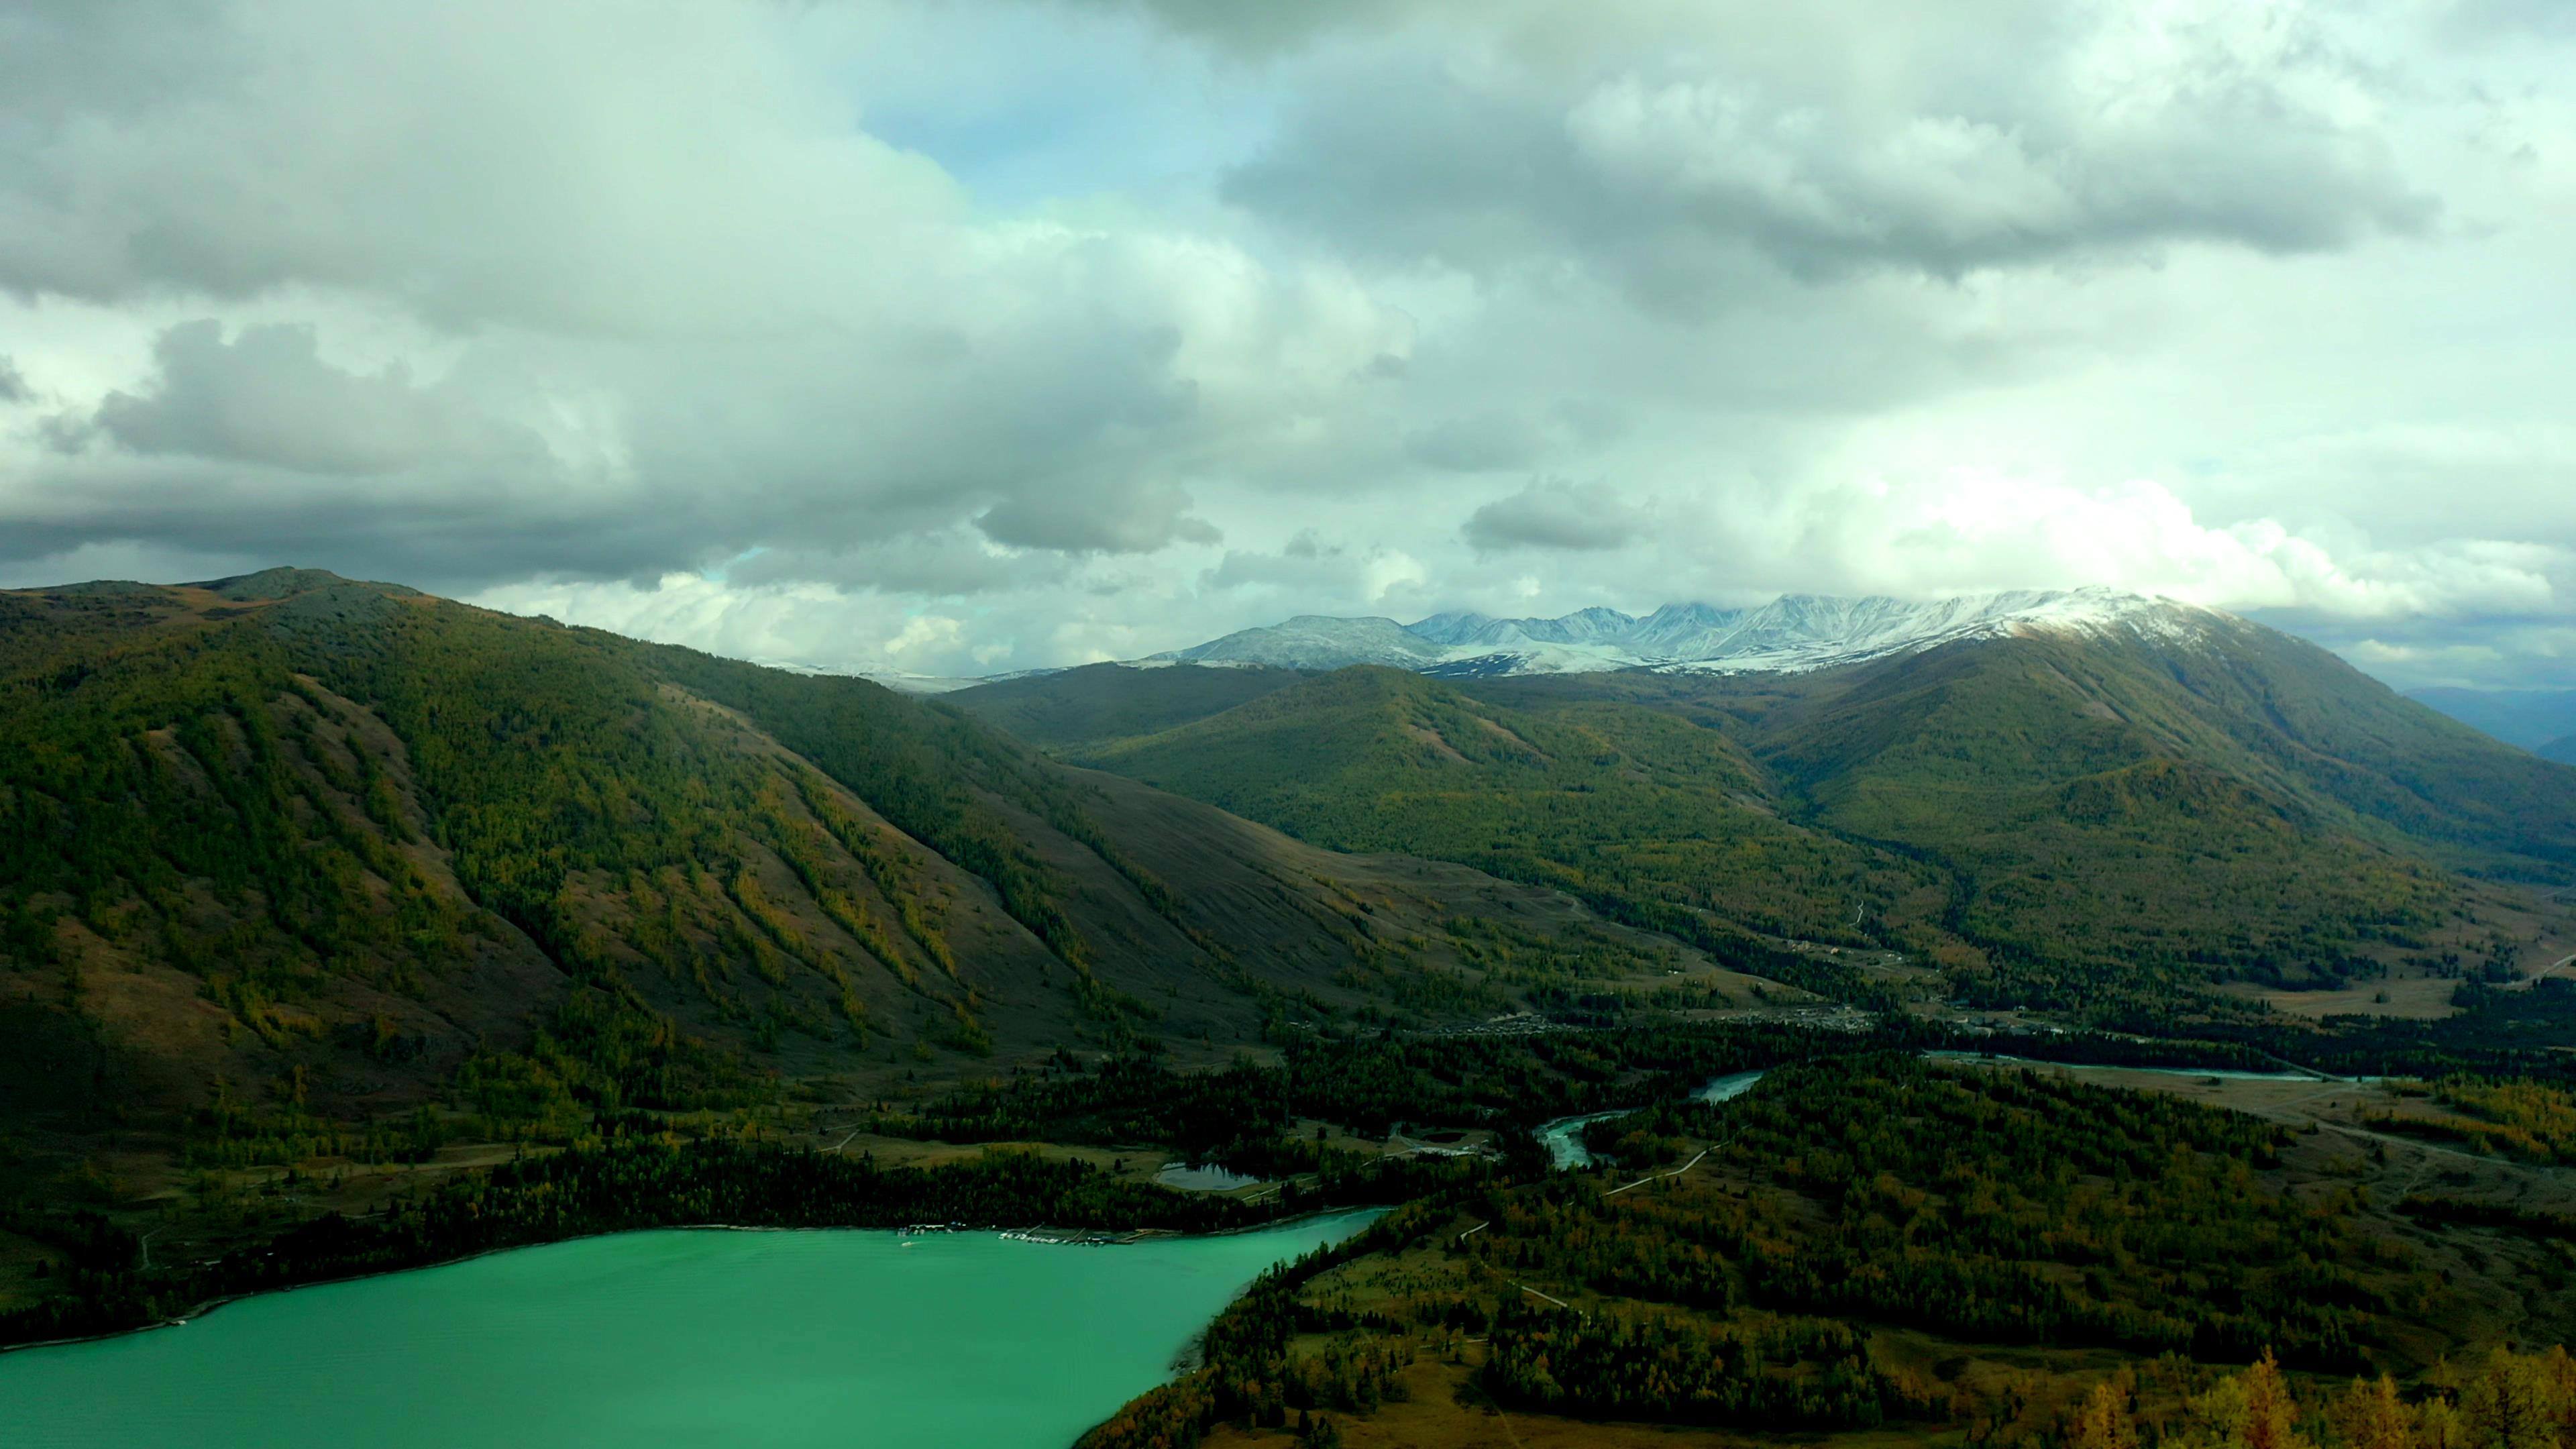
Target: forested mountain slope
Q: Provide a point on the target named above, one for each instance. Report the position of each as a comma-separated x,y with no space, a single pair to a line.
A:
288,853
2074,820
2099,819
2274,714
1114,701
1644,815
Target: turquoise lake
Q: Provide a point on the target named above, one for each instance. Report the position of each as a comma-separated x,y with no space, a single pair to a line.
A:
858,1340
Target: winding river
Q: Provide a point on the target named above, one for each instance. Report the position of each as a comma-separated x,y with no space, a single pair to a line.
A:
1563,1137
858,1340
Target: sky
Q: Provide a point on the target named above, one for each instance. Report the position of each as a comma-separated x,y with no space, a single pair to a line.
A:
964,336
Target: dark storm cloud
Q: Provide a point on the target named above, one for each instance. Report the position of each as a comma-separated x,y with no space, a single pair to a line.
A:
1555,515
266,397
13,383
444,527
1117,519
818,459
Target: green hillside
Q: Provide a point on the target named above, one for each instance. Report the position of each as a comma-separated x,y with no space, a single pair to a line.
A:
2317,729
308,805
2087,823
1112,701
2274,713
290,863
2101,824
1644,815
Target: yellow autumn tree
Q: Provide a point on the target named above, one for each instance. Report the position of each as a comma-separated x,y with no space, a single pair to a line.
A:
2521,1401
2103,1420
2513,1401
2251,1410
2371,1416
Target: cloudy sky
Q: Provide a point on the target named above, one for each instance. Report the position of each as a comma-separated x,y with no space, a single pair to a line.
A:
972,335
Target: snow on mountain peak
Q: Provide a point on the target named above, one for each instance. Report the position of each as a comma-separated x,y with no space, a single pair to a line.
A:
1795,632
1317,641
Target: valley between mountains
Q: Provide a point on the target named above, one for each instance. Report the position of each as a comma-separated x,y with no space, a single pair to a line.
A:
344,928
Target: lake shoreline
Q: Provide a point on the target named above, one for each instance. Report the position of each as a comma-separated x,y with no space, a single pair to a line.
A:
751,1333
1125,1238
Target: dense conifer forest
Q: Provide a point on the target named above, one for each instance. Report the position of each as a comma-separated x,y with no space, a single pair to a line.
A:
1743,1265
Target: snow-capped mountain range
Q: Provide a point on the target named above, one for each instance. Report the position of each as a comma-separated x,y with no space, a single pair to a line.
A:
1792,633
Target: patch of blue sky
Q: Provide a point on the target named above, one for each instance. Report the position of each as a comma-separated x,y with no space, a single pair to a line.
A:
717,573
1027,105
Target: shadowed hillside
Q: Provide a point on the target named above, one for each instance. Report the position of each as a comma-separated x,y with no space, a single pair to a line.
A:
285,856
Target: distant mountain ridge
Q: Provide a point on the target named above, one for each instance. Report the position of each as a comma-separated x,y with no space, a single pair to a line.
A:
2089,800
2539,720
1792,634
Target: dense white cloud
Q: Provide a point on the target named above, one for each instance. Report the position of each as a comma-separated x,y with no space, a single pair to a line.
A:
2112,130
952,338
